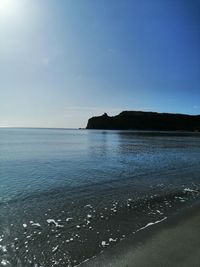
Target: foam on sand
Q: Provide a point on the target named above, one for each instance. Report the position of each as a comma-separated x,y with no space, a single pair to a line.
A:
173,242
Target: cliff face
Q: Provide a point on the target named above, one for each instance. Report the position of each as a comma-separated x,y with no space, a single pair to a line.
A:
139,120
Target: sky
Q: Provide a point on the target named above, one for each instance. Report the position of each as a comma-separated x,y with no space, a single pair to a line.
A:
63,61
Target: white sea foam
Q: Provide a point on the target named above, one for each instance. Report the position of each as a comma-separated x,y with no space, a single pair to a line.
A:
36,224
54,222
112,240
103,243
151,223
69,219
5,262
3,248
189,190
88,206
54,249
158,211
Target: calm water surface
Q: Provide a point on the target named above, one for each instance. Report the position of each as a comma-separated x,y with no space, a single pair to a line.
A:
66,195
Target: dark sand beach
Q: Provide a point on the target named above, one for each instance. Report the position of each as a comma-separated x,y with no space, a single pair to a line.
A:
172,242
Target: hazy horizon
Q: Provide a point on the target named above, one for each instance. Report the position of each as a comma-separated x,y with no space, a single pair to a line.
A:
62,62
83,127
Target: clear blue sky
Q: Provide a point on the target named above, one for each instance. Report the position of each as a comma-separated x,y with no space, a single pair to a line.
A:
62,61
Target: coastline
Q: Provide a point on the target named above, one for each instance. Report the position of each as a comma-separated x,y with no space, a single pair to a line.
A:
172,242
146,120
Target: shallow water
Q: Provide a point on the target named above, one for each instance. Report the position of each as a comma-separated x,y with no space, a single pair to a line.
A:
66,195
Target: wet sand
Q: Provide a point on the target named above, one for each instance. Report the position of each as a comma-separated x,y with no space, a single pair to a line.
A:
173,242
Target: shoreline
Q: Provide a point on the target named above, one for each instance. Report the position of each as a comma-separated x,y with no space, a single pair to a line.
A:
171,242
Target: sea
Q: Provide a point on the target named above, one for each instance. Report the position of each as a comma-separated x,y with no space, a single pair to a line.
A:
66,195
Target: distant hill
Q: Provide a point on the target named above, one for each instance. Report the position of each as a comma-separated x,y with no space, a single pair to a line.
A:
140,120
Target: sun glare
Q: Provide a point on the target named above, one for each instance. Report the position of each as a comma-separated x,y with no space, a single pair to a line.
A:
5,4
7,7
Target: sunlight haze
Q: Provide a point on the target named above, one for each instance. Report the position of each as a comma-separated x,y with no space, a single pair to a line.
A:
62,62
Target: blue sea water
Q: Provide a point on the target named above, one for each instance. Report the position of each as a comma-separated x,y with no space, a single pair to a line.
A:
66,195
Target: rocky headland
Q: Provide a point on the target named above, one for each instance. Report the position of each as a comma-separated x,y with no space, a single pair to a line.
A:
140,120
